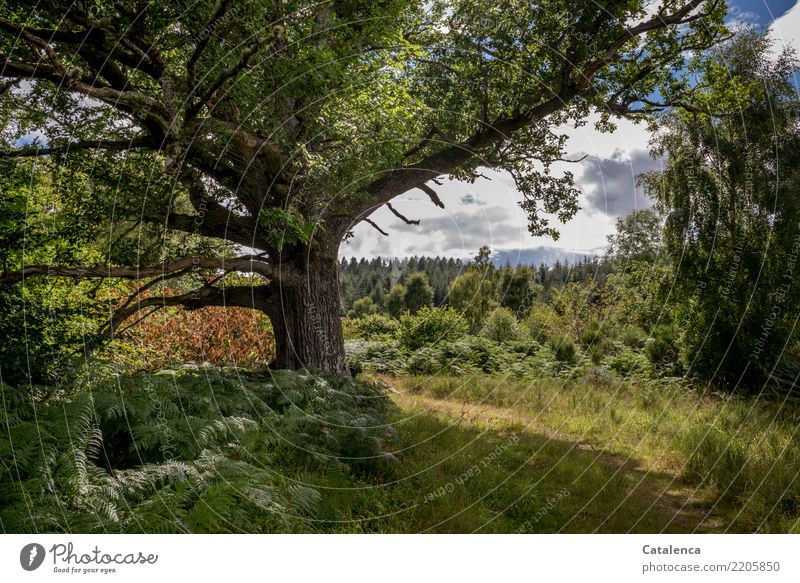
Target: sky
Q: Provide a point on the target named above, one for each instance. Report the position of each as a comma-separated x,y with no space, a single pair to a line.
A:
487,212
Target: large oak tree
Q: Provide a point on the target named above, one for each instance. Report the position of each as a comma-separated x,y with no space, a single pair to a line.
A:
277,126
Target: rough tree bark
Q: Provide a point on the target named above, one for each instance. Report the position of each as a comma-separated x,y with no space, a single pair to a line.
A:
305,316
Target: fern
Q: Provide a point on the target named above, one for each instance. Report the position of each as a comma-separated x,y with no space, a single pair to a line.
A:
206,450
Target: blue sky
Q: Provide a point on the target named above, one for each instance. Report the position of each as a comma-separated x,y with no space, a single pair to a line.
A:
764,11
487,211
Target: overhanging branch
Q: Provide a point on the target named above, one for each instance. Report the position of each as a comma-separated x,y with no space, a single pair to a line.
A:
241,264
240,296
34,150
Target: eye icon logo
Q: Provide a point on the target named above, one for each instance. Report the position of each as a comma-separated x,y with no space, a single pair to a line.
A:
31,556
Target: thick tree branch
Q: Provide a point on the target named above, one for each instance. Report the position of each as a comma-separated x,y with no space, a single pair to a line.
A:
241,264
219,13
34,150
459,154
240,296
213,223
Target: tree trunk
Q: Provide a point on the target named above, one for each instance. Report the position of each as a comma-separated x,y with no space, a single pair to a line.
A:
306,320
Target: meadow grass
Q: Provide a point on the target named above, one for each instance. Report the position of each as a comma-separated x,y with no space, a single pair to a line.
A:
497,454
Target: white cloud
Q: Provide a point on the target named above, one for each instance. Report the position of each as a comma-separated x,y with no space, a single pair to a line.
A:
487,212
786,29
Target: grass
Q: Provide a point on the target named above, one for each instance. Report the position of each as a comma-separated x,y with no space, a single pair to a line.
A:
496,454
289,452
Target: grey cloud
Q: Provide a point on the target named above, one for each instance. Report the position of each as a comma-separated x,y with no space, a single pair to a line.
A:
610,183
466,231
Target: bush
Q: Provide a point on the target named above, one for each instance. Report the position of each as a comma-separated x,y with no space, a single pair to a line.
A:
629,362
663,350
542,322
502,326
424,361
378,356
563,347
214,335
430,326
592,334
633,336
376,327
46,328
350,329
599,349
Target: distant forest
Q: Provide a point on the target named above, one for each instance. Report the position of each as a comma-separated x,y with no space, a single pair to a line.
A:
374,278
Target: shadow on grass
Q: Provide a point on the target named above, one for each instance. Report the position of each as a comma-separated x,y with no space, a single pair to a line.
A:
462,473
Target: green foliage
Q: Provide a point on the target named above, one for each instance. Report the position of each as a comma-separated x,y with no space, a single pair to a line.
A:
591,334
285,227
542,322
472,294
664,348
46,324
599,349
419,293
430,326
363,307
502,326
190,450
563,347
628,362
732,216
376,327
638,237
396,300
638,293
516,289
633,336
467,355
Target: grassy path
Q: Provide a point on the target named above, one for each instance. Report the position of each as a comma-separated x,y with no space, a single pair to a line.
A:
491,454
647,500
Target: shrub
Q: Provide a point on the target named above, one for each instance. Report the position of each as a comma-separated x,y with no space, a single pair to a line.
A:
663,350
501,326
629,362
214,335
542,322
376,326
633,336
350,330
429,326
378,356
424,361
599,349
591,334
563,347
